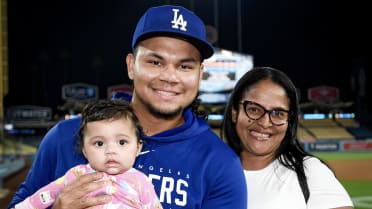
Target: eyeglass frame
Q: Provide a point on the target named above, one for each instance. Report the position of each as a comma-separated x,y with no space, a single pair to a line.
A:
246,102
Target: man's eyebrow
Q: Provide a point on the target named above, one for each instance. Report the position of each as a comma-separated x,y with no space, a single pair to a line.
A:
190,60
158,56
153,54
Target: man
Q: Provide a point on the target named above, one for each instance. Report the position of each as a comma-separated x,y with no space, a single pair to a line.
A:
188,164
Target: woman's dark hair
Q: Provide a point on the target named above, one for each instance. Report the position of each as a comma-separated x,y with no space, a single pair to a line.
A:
108,110
290,152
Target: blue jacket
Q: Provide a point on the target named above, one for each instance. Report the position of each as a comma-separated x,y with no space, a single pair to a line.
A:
190,166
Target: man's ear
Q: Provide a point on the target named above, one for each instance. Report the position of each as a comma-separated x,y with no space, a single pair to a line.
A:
130,64
201,71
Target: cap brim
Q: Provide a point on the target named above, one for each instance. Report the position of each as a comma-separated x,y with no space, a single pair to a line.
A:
206,49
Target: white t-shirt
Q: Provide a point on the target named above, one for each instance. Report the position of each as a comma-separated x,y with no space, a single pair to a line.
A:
276,187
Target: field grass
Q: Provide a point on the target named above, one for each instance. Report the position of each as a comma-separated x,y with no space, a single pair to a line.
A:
344,155
360,191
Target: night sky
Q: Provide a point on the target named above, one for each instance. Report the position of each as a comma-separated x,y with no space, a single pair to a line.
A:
52,43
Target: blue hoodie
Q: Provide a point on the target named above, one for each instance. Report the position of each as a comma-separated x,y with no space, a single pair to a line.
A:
190,166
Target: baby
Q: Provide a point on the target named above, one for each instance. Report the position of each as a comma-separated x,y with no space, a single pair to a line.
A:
110,140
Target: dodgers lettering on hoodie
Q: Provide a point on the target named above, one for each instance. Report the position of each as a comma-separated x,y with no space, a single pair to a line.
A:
190,164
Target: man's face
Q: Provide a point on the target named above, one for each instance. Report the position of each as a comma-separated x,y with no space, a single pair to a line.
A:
166,73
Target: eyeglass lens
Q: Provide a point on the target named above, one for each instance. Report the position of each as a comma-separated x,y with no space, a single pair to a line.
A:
255,112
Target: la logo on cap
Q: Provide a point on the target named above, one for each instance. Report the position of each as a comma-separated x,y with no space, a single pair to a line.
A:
178,22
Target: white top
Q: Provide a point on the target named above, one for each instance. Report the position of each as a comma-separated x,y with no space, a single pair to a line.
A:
276,187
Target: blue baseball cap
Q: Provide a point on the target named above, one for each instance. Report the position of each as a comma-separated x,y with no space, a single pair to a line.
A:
173,21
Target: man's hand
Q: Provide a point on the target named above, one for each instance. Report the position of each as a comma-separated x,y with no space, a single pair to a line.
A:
73,195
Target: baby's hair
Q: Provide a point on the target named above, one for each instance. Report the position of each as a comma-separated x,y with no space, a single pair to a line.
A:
108,110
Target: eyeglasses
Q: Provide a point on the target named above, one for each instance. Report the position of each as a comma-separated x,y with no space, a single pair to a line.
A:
255,111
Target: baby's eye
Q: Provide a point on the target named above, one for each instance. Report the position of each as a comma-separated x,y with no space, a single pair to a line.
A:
98,143
122,142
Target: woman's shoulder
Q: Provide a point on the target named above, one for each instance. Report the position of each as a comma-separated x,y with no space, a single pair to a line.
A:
315,167
312,161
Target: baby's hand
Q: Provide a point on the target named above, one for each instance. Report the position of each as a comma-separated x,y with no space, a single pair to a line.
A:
78,171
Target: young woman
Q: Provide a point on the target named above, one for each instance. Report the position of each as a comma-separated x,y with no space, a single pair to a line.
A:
260,124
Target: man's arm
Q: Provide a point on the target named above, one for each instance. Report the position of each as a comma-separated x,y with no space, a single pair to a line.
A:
54,157
41,171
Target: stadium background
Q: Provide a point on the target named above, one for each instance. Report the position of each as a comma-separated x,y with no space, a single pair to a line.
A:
54,44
